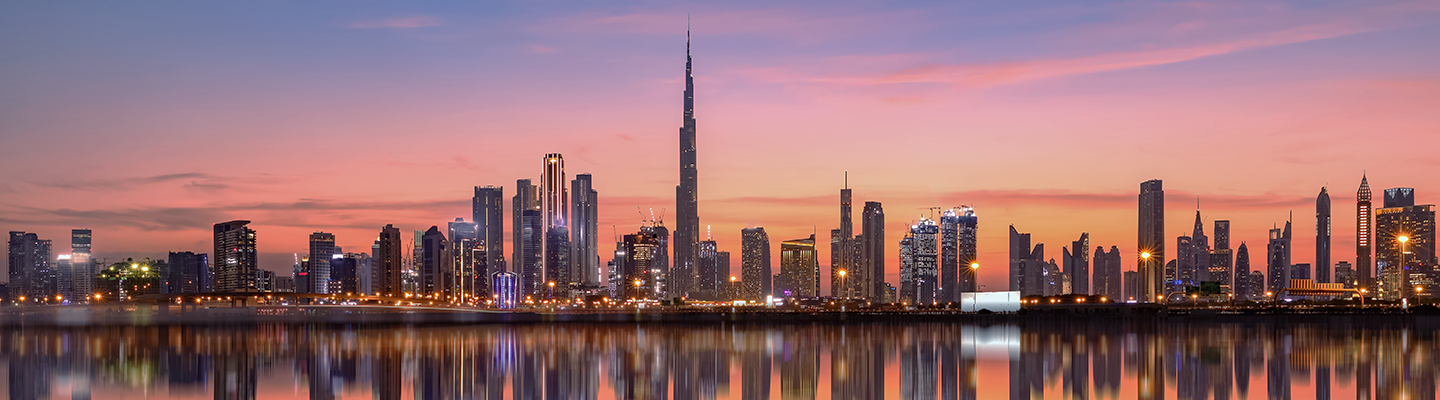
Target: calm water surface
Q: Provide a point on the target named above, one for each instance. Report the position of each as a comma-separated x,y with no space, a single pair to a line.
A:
1079,360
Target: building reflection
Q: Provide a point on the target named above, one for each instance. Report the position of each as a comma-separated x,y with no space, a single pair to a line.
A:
1071,359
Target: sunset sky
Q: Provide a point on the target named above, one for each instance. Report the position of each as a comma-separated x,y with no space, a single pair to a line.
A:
149,122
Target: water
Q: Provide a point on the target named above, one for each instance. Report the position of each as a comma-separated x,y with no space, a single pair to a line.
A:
1059,360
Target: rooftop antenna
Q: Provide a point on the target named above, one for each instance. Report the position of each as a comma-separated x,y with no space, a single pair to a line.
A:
847,179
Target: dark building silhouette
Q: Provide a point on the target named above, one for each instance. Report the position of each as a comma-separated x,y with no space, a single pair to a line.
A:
755,263
1364,235
1243,290
917,263
488,213
1277,259
387,268
958,228
1322,236
524,258
1151,241
433,263
235,257
187,272
1222,258
1107,273
872,271
31,272
842,249
1077,264
687,206
584,231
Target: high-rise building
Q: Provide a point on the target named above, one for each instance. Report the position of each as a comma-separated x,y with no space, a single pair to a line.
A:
235,257
82,270
842,249
755,263
528,251
638,269
1300,271
1019,254
1132,284
345,272
1405,243
687,206
1222,260
1107,273
1345,274
1151,241
1242,273
186,272
584,231
31,271
872,271
1322,236
555,209
658,276
957,253
918,254
322,248
1364,230
1277,259
467,275
388,267
433,263
799,269
1077,264
709,276
488,213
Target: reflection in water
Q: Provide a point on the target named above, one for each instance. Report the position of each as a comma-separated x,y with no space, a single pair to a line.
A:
1073,360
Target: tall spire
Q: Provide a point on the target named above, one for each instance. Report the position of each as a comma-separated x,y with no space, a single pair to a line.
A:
686,236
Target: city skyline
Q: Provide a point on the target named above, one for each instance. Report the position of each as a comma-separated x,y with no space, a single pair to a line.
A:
165,201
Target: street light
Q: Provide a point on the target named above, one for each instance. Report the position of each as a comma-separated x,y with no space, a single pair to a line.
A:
843,286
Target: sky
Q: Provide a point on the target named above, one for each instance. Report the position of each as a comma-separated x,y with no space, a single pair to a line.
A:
149,122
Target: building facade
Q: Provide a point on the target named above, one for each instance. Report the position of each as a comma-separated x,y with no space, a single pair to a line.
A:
235,257
755,263
1151,241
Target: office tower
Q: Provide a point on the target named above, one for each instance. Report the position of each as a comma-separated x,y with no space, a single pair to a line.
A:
918,254
1345,274
62,271
1107,273
1132,285
82,265
322,247
842,248
1019,254
658,276
1364,231
528,250
345,273
687,208
1322,236
1407,262
584,231
705,282
957,252
186,272
1222,260
1242,273
235,258
555,207
488,213
389,263
466,258
799,269
1277,259
1077,265
1300,271
755,263
1151,241
872,271
727,281
432,263
639,252
527,198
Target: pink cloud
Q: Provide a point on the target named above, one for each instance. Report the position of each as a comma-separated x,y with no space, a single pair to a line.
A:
398,23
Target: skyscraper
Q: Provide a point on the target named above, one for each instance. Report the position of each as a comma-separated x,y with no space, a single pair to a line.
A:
488,213
584,231
1151,241
842,248
755,263
466,275
529,252
555,207
322,248
186,272
1322,236
967,228
919,263
799,269
1277,259
872,271
31,273
1222,260
638,252
388,266
235,258
687,208
1019,254
705,282
957,252
1243,290
433,263
1410,262
527,198
1107,273
1077,264
82,264
1364,218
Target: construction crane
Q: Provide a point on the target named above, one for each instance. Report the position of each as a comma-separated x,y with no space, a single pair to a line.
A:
932,210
